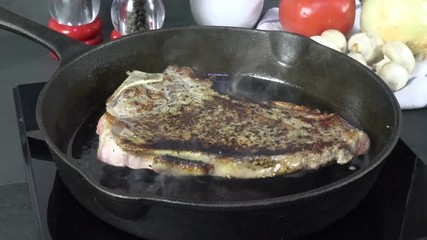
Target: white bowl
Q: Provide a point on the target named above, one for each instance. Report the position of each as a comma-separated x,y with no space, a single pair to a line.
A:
231,13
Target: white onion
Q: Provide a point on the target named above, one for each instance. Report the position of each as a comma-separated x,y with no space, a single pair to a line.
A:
397,20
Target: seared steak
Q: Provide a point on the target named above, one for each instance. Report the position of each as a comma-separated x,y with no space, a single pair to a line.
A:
175,123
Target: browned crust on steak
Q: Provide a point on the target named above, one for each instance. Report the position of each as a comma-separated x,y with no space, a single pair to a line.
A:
233,127
179,166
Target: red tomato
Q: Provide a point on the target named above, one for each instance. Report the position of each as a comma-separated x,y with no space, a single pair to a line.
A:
312,17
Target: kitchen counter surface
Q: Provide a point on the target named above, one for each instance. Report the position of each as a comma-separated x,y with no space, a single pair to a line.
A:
23,61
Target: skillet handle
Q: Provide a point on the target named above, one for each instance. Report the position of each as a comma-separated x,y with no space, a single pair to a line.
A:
64,47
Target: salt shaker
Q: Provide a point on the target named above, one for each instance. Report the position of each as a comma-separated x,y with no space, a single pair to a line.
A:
132,16
77,19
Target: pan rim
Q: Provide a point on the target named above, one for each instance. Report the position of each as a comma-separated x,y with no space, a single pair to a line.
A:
233,205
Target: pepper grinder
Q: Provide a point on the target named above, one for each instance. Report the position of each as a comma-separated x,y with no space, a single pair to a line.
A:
77,19
132,16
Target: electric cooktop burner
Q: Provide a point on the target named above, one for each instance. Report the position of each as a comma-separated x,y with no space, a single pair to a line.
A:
395,208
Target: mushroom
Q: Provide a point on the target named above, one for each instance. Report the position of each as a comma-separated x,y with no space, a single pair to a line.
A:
325,42
396,66
420,57
367,44
394,75
398,52
358,57
336,37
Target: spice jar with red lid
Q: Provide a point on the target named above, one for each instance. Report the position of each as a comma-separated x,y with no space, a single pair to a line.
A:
77,19
132,16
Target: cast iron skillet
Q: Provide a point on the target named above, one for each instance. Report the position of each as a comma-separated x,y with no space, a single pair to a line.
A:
254,64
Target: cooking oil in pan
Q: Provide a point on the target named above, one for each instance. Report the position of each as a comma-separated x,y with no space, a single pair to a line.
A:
146,183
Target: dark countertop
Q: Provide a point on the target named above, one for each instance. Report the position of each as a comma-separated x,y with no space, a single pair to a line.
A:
414,131
24,61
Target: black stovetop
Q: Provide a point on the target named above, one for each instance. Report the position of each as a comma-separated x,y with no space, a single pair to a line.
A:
395,208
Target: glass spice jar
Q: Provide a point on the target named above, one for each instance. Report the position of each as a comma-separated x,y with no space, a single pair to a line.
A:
74,12
132,16
78,19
